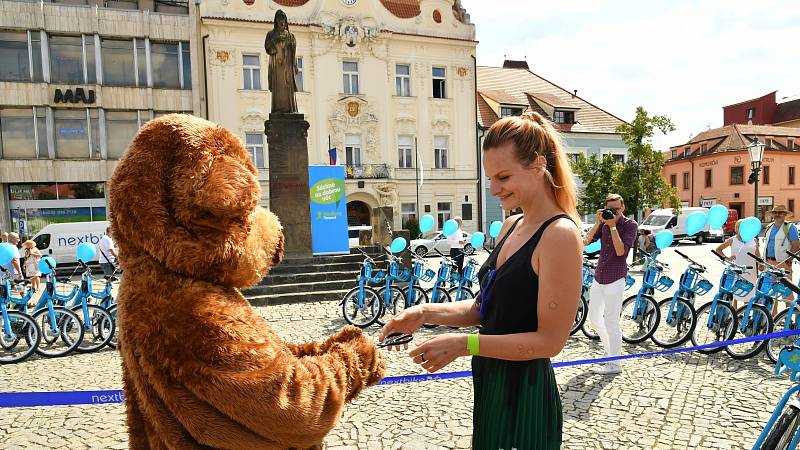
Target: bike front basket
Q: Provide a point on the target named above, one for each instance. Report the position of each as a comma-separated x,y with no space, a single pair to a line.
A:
664,283
742,288
629,281
429,275
703,287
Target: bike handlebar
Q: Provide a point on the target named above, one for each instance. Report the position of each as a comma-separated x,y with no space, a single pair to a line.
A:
762,261
793,287
690,260
793,255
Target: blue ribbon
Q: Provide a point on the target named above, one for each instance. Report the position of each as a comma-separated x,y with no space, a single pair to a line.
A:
27,399
486,292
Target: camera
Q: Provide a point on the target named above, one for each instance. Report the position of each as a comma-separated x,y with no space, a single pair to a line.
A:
609,213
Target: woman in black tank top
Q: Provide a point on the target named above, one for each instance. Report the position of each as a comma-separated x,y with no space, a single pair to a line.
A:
530,286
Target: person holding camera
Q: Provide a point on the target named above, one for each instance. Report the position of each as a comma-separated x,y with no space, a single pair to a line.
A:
617,236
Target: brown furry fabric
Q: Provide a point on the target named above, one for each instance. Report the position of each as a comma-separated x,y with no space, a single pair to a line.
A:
201,368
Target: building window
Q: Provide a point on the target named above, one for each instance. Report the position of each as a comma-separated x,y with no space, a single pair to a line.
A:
439,82
172,6
685,181
703,148
255,146
119,63
408,211
737,175
405,148
765,177
708,178
71,133
66,59
687,151
564,116
300,86
18,133
440,152
751,113
768,144
186,66
673,180
352,149
350,77
403,80
790,144
791,205
21,55
574,157
122,4
166,65
618,158
791,174
442,212
121,127
466,211
674,154
252,72
508,111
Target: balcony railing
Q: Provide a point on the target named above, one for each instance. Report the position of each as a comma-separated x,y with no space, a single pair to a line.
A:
360,171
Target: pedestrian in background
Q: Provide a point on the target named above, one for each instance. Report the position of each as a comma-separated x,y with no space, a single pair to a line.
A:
456,241
32,258
108,253
739,255
4,237
781,237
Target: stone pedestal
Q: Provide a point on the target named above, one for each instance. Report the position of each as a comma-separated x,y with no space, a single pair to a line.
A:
288,179
382,225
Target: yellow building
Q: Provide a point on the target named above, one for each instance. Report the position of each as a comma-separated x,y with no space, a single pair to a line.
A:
389,84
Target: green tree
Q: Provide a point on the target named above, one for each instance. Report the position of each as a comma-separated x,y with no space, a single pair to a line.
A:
599,177
640,182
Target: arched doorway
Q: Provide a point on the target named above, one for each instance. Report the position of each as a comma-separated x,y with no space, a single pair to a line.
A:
358,213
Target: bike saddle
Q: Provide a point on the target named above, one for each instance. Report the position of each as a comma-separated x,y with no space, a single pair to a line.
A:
395,339
110,278
63,280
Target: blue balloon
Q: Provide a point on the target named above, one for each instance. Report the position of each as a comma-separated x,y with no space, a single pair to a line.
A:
477,240
398,245
46,268
85,252
749,228
426,223
450,227
494,228
664,239
717,216
593,247
7,253
695,223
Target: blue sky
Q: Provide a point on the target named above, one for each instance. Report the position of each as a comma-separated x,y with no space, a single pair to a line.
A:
685,59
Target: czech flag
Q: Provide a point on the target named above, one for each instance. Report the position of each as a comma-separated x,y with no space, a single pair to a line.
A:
332,155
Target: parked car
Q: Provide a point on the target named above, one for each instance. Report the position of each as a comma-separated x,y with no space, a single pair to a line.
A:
424,246
665,219
60,240
353,234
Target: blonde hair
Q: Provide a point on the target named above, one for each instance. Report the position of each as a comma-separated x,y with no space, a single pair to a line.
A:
29,244
736,226
534,136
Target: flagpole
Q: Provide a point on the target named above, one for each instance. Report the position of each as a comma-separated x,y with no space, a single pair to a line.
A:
416,175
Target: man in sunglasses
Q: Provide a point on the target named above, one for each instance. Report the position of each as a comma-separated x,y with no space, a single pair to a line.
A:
617,236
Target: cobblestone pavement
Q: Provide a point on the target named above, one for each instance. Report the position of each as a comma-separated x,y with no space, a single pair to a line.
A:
677,401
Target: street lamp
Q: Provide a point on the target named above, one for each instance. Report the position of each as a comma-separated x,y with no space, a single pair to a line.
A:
756,152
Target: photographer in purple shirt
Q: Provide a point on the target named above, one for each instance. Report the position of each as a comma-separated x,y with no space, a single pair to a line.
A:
617,236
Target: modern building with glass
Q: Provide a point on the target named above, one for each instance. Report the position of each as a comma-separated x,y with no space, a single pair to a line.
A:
77,80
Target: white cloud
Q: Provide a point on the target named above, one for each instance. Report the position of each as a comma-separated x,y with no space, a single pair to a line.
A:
682,58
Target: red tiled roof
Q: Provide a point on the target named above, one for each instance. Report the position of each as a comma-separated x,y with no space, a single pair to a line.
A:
787,111
506,98
554,100
486,116
404,9
591,119
736,137
290,3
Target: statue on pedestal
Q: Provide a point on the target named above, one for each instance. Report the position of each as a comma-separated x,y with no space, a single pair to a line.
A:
282,72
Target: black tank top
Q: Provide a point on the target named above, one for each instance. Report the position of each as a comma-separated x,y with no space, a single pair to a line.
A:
510,295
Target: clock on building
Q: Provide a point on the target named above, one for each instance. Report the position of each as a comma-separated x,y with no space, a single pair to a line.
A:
349,2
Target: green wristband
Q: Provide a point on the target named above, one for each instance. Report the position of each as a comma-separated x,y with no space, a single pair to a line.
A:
473,344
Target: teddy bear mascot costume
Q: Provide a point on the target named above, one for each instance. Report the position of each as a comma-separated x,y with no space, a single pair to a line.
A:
201,368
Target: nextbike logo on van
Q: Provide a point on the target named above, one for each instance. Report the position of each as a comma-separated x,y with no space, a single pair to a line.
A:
71,241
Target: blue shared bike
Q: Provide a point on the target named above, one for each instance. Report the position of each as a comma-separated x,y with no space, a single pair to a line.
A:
98,324
582,321
438,292
361,305
677,313
640,315
788,319
20,336
393,299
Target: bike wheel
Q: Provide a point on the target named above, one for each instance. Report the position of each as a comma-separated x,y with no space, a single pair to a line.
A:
466,294
23,341
113,342
580,316
723,326
396,305
783,431
774,346
442,296
588,328
66,337
759,323
644,325
98,332
361,313
675,327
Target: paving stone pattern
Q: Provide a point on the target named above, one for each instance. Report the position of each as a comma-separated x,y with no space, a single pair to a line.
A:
677,401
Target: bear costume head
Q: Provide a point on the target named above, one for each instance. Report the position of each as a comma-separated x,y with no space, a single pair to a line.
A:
201,368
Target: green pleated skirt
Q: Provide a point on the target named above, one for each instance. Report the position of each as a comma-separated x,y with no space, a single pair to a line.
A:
517,405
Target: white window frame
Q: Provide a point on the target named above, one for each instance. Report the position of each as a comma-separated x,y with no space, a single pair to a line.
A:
442,214
350,82
252,149
405,151
352,150
406,215
300,81
402,81
505,110
443,79
441,152
249,70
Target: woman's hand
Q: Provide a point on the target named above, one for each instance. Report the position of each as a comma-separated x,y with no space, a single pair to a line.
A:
439,351
407,322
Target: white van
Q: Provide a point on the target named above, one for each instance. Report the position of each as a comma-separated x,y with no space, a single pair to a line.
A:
61,240
665,219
